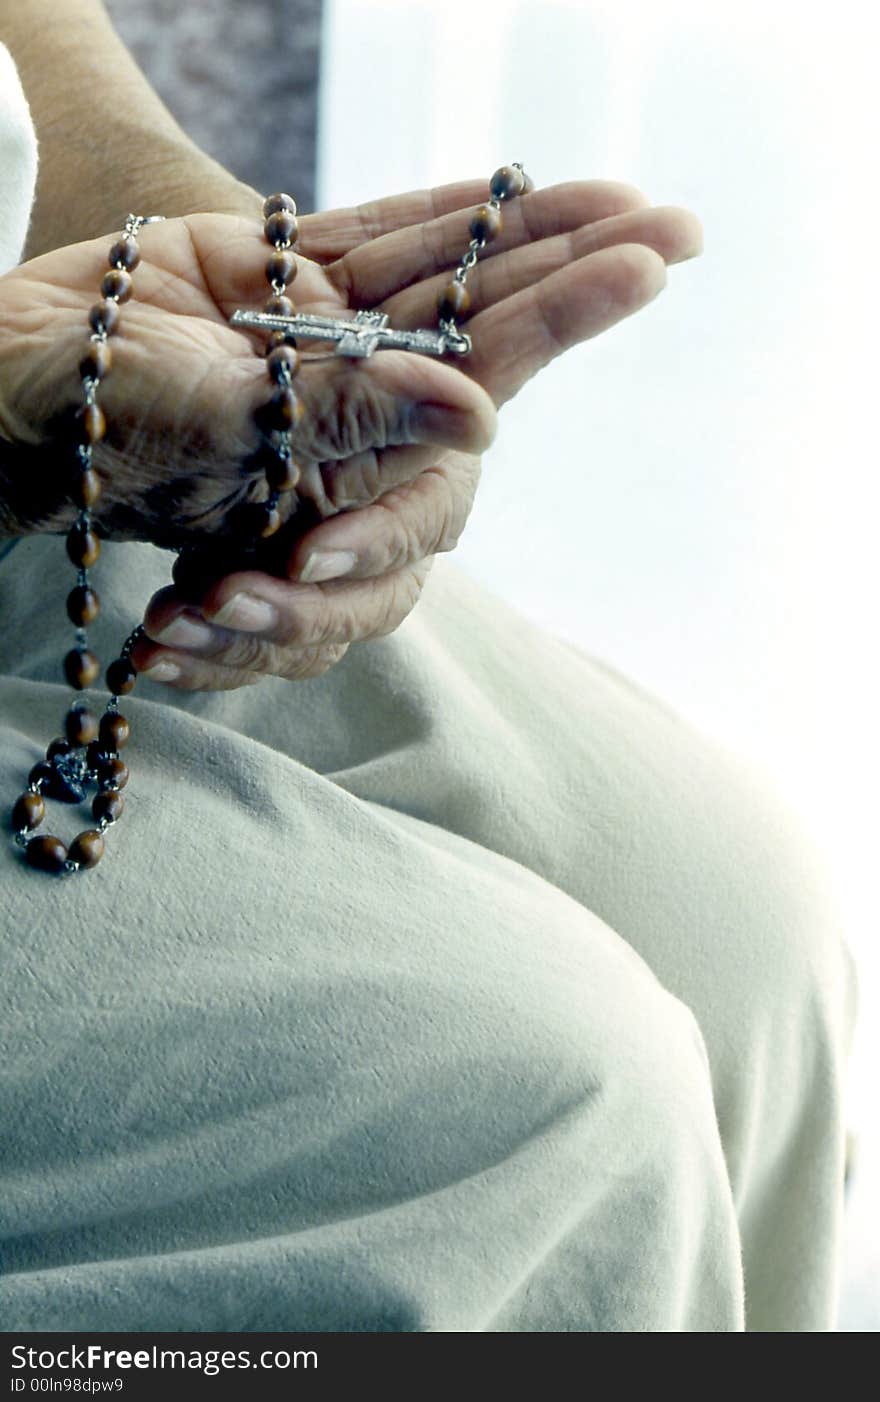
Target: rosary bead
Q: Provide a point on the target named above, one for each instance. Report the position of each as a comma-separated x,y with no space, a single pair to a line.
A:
283,411
83,605
108,804
281,362
281,227
87,487
83,546
46,853
42,773
281,267
280,338
283,474
81,725
275,204
121,677
486,223
125,254
96,362
114,731
87,848
91,423
59,746
81,668
29,812
278,306
453,301
269,521
112,772
506,183
117,283
104,317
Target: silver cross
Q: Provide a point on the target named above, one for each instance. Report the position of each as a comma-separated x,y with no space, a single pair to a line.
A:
369,331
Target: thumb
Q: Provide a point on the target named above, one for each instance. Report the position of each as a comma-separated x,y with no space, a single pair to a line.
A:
342,408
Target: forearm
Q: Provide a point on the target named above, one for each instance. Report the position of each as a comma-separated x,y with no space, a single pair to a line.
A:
107,142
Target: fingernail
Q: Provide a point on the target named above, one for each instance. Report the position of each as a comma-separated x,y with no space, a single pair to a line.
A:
187,632
247,613
327,564
162,672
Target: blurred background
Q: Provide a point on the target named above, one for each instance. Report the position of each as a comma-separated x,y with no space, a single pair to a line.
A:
693,496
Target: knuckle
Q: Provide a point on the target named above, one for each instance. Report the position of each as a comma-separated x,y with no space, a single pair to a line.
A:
356,482
245,651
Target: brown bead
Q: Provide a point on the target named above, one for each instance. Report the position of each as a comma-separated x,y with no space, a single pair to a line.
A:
276,203
29,812
46,853
59,746
87,848
283,411
83,546
283,474
114,731
280,338
91,424
104,317
124,254
507,183
81,725
83,605
81,668
117,283
278,306
486,223
108,804
113,772
281,227
97,361
121,677
42,773
281,362
453,301
281,267
87,487
271,521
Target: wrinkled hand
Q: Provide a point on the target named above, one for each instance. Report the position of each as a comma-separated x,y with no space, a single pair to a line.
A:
571,262
397,436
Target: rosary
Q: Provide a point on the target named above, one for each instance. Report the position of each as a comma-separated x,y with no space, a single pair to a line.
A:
88,751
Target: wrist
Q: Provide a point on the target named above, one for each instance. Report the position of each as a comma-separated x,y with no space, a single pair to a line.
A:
140,171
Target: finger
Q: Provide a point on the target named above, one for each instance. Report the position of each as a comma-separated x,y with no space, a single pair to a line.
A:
255,622
186,672
376,270
514,340
675,234
409,523
335,233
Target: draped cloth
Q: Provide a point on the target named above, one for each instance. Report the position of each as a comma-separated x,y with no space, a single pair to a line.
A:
465,988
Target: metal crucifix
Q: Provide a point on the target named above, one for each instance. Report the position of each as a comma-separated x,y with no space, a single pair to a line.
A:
360,337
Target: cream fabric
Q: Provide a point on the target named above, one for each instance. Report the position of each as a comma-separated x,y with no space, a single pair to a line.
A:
465,988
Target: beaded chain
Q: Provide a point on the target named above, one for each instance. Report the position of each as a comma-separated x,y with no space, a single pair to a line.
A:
88,751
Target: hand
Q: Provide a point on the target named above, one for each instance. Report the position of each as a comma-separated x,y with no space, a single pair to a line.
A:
184,388
571,262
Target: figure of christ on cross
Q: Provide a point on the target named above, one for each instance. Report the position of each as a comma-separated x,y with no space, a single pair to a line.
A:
360,337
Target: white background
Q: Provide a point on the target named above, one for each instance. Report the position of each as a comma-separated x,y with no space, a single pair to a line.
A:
692,496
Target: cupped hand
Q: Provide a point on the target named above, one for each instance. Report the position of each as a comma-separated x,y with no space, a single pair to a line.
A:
396,437
572,261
